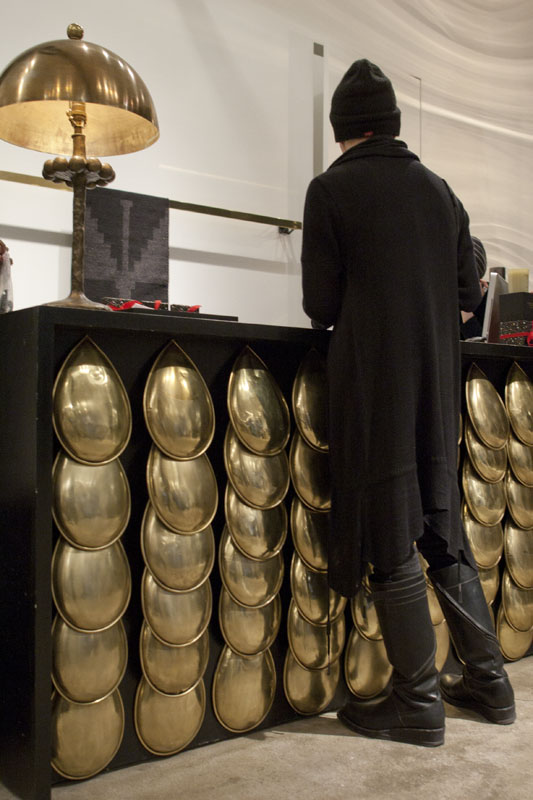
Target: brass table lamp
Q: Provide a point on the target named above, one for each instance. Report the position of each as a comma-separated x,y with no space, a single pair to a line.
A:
73,97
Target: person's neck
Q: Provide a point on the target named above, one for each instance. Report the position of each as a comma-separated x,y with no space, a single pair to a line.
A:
349,143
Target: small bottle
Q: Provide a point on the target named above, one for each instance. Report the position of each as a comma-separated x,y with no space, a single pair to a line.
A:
6,284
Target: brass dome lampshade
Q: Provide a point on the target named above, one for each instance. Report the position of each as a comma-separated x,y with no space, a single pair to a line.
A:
80,100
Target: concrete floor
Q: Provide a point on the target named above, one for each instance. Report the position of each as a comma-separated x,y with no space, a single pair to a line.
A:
316,758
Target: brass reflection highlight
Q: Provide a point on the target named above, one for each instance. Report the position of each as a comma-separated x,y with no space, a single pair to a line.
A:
261,481
519,403
521,460
178,409
309,643
442,639
489,463
366,667
184,493
85,736
309,530
165,724
309,691
250,582
514,644
490,583
257,409
91,504
486,409
364,614
435,611
519,501
486,501
258,533
91,410
310,400
87,666
243,689
91,588
312,594
518,545
517,604
310,474
486,541
172,669
248,631
176,617
178,562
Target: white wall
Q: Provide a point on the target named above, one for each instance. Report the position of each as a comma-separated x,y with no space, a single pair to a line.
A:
237,90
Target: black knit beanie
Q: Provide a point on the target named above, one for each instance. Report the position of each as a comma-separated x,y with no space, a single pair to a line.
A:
364,103
480,256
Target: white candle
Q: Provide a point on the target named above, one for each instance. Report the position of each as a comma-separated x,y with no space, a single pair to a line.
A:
518,280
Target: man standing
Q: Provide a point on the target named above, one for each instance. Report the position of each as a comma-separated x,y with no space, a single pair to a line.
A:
387,259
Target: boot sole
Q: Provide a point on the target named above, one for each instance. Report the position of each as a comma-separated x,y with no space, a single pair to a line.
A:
499,716
424,737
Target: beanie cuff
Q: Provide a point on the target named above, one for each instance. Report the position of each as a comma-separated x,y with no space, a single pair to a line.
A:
356,127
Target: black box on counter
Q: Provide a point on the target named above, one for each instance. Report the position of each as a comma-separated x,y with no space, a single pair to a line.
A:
516,318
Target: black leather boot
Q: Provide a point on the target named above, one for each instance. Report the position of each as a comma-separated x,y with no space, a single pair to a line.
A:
484,686
413,712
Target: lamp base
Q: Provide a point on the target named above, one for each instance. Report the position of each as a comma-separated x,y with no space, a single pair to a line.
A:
79,300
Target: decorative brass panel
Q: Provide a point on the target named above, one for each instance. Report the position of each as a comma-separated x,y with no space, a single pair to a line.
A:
519,403
517,604
258,533
486,409
310,474
310,530
490,582
521,460
310,400
250,582
366,667
309,691
486,501
243,689
514,644
442,638
260,481
172,669
312,594
435,611
176,617
166,723
519,501
248,631
364,614
490,464
518,545
486,541
309,643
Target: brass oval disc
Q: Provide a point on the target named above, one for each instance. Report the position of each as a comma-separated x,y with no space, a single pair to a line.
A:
519,501
91,503
442,638
486,541
310,530
490,582
517,604
364,614
257,409
244,688
309,691
518,545
486,409
309,643
87,666
179,562
519,403
490,464
184,493
166,723
312,594
172,669
260,481
248,631
91,410
85,736
177,405
514,644
310,474
91,588
176,617
258,533
521,460
486,501
310,400
366,667
250,582
435,611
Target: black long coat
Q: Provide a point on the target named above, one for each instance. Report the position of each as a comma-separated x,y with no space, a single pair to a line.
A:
387,259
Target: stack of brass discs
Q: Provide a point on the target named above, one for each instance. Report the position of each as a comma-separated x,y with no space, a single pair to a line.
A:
91,581
250,550
366,666
178,548
315,622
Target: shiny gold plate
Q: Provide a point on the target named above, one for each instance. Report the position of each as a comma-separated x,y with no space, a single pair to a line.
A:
91,504
166,723
309,691
91,410
248,631
486,501
486,541
179,562
486,409
442,638
521,460
310,530
260,481
172,669
91,588
435,611
519,501
518,545
258,533
243,689
184,494
517,604
312,594
310,400
519,403
490,582
178,409
366,667
85,736
310,474
309,643
250,582
490,464
176,617
514,644
364,614
87,666
257,409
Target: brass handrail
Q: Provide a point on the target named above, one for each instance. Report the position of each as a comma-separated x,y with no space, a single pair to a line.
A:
283,225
